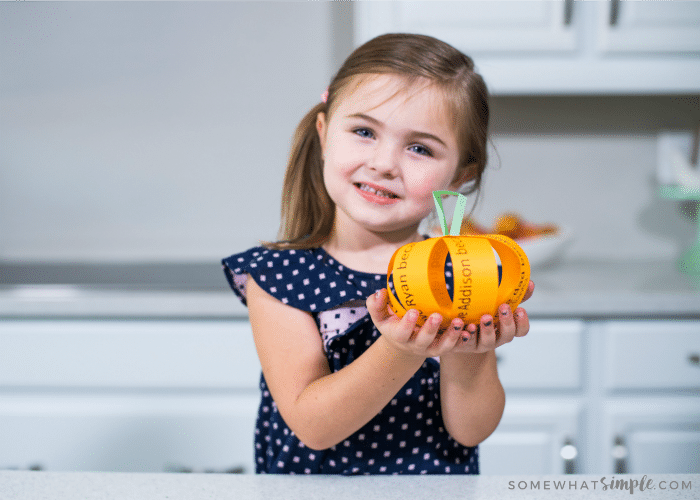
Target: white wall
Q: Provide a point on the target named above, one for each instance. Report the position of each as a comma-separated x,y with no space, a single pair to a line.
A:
139,130
159,131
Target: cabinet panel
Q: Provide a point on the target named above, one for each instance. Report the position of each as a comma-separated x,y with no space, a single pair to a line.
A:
176,354
562,47
654,435
128,433
652,355
488,27
649,27
548,357
530,439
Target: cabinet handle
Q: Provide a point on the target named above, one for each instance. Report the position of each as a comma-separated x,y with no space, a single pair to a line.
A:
568,453
694,359
614,11
619,453
568,12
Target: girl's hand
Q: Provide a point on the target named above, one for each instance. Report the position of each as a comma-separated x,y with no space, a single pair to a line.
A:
403,333
490,334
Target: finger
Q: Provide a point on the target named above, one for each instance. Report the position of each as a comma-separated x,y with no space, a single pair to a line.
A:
450,337
426,335
379,308
522,322
487,333
470,334
530,291
506,325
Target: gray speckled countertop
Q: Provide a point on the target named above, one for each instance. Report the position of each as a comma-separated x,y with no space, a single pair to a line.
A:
16,485
570,290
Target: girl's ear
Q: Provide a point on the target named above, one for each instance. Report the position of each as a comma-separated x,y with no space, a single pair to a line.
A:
321,129
464,175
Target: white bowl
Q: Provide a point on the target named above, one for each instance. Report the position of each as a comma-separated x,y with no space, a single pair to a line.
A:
546,250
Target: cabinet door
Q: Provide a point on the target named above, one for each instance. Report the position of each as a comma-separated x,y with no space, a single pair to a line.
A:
128,354
128,433
652,436
548,358
534,437
475,26
649,27
557,47
652,355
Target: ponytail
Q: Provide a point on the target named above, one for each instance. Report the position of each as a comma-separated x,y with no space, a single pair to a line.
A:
307,209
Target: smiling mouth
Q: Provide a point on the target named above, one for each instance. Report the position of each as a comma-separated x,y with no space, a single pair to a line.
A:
377,192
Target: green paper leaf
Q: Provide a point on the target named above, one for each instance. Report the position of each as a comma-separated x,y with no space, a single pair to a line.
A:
457,216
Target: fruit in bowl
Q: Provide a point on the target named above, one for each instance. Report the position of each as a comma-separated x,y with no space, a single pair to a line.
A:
543,243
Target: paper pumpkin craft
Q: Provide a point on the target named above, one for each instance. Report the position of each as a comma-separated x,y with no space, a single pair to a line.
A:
416,274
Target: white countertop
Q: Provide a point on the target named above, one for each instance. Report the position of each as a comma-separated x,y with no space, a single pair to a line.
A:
16,485
577,289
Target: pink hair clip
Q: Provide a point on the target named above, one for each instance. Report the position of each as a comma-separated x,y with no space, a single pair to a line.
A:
324,96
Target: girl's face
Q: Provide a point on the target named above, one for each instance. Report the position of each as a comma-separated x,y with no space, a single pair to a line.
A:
386,149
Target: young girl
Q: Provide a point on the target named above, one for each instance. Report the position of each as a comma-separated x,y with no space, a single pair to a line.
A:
347,386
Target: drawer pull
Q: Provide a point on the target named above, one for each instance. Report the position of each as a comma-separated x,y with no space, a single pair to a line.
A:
568,453
694,359
568,12
614,12
619,453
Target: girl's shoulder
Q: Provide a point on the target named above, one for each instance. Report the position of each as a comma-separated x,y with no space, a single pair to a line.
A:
308,279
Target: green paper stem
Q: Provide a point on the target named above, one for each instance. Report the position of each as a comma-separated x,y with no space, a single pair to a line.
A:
457,216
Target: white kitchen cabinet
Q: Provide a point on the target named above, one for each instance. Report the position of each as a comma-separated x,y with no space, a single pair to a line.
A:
535,436
145,432
128,395
652,435
557,47
601,397
541,428
649,28
650,405
592,396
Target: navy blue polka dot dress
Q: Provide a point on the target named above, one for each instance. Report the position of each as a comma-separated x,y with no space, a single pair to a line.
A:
408,436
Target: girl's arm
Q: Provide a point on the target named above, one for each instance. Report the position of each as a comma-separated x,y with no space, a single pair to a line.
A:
472,397
322,408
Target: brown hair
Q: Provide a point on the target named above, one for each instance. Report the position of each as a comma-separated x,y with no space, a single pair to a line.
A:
307,209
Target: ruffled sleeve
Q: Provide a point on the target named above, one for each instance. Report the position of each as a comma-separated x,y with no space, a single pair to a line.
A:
309,280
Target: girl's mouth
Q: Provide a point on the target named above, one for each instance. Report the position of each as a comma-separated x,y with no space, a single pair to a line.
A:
376,192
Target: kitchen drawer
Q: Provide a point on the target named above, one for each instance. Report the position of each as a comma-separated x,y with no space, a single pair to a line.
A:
128,354
548,357
652,355
152,432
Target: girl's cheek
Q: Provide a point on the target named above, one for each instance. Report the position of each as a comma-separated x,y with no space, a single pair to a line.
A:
423,183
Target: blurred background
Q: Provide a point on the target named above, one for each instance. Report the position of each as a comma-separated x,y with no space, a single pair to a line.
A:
141,142
137,131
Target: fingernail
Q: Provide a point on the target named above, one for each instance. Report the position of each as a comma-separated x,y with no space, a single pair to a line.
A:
465,338
504,311
458,326
412,314
487,323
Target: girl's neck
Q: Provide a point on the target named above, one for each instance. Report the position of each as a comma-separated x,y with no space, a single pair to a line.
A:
367,252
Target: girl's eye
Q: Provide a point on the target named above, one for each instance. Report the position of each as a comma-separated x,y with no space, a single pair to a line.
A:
364,132
421,150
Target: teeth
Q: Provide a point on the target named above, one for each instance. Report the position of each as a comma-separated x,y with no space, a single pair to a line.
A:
378,192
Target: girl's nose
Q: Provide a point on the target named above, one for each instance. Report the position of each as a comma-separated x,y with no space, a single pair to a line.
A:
384,160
